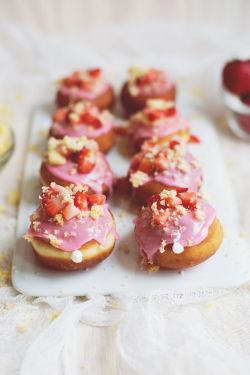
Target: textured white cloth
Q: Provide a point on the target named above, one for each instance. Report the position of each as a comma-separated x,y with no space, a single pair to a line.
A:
205,332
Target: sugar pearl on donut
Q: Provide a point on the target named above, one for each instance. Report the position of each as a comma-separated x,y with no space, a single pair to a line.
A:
76,256
177,248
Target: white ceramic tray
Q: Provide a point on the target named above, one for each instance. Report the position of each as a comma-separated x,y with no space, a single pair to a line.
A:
230,266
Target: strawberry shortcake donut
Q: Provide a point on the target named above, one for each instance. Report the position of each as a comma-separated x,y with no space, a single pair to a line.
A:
177,230
157,167
144,84
84,119
71,229
85,85
160,121
78,161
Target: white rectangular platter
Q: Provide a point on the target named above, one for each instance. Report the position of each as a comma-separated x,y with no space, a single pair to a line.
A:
121,273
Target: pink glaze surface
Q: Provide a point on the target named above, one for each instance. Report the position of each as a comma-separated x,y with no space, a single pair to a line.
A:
101,174
149,238
175,178
155,89
79,231
76,93
59,130
159,129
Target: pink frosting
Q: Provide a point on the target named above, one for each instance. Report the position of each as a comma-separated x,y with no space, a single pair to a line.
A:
62,129
175,178
159,129
101,174
79,231
149,238
77,93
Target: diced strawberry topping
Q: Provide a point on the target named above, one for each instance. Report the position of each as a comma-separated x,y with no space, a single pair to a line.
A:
194,139
180,189
81,200
53,205
153,114
160,164
146,166
84,165
172,201
236,76
98,199
156,114
89,119
173,143
72,80
189,199
94,72
160,218
170,112
70,211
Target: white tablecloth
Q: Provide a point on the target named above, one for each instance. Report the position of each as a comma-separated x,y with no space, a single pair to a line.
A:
207,332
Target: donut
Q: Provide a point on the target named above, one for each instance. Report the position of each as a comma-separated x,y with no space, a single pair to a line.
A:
160,121
144,84
85,85
157,167
73,160
84,119
71,229
177,230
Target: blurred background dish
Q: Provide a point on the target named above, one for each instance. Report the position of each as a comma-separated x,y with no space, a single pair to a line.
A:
7,142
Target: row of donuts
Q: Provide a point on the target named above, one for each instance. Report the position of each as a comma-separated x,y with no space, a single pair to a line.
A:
73,228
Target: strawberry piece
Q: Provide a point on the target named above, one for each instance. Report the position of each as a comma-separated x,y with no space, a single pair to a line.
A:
146,166
180,189
173,143
91,120
154,114
189,199
94,72
236,76
72,80
194,139
172,201
160,164
60,115
81,200
53,205
160,218
170,112
154,198
70,211
84,165
98,199
245,98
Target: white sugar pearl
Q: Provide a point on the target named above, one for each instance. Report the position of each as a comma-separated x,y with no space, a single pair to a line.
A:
177,248
76,256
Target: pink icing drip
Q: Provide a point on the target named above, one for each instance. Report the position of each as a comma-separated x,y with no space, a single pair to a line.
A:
82,231
162,128
62,129
80,93
174,177
101,174
149,238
